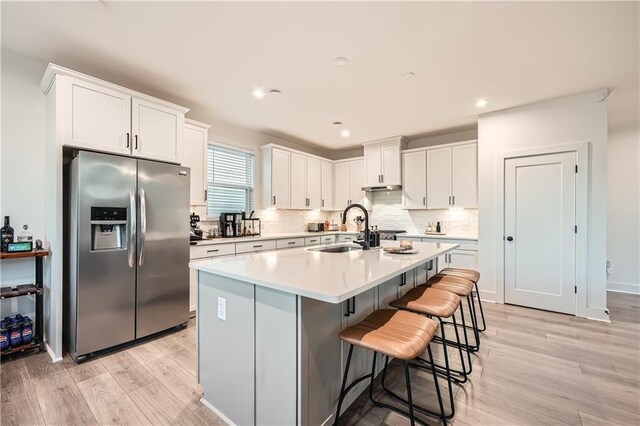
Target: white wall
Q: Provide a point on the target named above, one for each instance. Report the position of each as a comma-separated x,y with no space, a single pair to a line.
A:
21,164
623,208
564,120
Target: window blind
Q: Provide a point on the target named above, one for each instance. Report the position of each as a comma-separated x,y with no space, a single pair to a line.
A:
230,180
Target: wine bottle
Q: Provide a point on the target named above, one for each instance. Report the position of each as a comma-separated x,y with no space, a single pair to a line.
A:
6,233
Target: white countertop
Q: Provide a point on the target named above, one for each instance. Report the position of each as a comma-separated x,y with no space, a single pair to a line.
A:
329,277
266,237
441,237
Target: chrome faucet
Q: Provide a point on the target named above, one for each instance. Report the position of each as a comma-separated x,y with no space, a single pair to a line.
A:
365,243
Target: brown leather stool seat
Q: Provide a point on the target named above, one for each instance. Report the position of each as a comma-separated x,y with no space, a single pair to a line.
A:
428,301
468,274
398,334
456,285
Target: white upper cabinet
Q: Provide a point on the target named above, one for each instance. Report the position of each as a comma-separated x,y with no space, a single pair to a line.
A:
349,180
452,176
195,157
326,202
100,116
314,183
342,192
298,181
157,131
464,176
276,174
382,162
96,117
439,178
414,180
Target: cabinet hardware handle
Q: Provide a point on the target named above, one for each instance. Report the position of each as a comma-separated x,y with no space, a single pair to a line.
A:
353,305
291,242
213,251
205,195
453,202
348,307
313,241
128,140
135,138
274,200
323,202
257,246
424,201
381,178
509,238
449,199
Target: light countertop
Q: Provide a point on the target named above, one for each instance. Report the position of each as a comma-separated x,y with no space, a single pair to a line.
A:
266,237
441,237
329,277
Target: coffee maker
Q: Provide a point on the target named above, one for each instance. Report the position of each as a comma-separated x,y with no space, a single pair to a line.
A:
196,232
231,224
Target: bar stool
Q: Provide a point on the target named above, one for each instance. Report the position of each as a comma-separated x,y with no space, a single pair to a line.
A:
464,289
397,334
439,304
471,275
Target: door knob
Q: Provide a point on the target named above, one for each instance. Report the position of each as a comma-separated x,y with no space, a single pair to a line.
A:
509,238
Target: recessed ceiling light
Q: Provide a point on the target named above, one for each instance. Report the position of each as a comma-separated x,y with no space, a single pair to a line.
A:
345,133
258,93
340,61
409,75
274,92
337,123
481,103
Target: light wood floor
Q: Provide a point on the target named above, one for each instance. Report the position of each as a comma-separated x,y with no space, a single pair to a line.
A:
534,368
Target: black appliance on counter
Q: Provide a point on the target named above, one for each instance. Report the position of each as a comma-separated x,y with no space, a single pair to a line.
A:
390,234
195,233
231,224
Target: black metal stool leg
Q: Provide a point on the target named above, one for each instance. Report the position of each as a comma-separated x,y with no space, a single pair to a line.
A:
344,384
474,322
412,416
435,381
464,368
484,324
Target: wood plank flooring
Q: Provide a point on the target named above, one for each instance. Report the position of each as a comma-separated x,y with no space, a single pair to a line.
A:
534,368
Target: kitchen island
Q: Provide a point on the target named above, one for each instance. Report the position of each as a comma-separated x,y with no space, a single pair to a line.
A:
268,325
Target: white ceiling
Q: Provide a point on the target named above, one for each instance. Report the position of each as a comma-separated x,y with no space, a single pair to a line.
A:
209,57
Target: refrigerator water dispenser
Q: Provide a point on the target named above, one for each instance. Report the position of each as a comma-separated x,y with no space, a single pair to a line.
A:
108,228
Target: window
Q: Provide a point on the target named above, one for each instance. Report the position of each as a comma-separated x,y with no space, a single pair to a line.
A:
230,175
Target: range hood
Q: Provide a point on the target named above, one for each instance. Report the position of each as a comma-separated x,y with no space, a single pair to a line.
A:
379,188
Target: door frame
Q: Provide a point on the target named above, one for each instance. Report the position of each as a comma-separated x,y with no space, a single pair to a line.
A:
582,150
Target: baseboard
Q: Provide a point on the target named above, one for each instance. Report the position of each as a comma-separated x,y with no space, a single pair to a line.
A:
217,412
488,296
623,287
51,353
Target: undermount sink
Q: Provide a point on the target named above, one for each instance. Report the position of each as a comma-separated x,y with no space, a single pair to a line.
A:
343,248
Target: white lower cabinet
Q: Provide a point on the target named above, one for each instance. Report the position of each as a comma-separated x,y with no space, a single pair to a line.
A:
313,241
346,238
328,239
204,252
255,246
289,243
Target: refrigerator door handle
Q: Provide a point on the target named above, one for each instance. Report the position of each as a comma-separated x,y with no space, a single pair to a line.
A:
143,225
132,229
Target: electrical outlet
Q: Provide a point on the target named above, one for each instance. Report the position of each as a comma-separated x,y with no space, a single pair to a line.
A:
222,308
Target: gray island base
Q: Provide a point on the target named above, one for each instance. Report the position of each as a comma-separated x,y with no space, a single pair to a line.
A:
268,325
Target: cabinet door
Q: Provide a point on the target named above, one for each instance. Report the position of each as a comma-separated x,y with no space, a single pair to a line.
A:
280,170
342,192
298,181
391,165
467,259
465,176
438,178
195,157
356,181
314,183
373,167
388,291
96,117
327,185
414,180
157,131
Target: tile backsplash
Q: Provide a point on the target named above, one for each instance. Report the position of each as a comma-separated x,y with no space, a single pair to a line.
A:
386,213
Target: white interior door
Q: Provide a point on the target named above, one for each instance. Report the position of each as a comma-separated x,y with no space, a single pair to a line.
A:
539,230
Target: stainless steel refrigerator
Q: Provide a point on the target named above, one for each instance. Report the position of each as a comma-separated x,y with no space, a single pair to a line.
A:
128,250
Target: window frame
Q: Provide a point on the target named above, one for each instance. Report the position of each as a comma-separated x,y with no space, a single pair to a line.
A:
232,147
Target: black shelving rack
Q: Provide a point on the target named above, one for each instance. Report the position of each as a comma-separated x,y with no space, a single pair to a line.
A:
36,289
